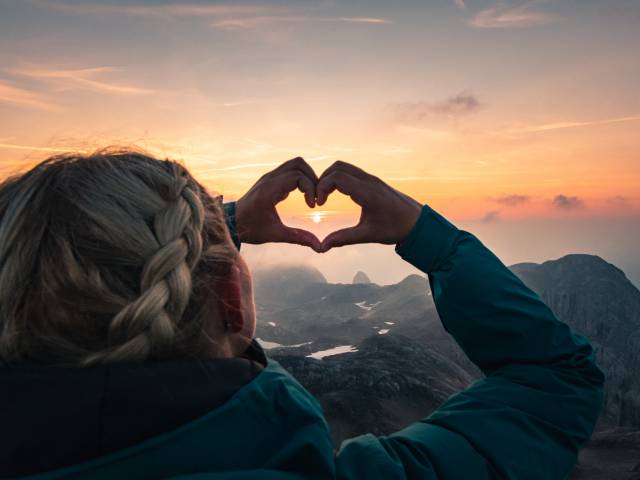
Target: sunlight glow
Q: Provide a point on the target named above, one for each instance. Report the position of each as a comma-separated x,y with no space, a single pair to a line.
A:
319,215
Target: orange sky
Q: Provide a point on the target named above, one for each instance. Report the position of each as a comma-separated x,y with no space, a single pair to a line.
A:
489,111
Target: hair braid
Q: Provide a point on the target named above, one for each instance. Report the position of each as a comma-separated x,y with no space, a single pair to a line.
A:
109,257
147,326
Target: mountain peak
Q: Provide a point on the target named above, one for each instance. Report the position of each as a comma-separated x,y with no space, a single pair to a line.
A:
361,277
576,269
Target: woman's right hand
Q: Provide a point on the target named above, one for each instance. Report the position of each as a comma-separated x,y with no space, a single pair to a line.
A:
257,219
387,214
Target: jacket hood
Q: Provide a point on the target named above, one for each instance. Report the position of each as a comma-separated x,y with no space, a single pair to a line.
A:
58,417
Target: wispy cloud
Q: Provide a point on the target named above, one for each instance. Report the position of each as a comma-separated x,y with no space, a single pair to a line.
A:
420,178
565,202
512,200
248,101
409,178
24,98
82,78
460,4
491,216
251,22
418,112
572,124
504,15
166,10
13,146
227,16
619,201
244,166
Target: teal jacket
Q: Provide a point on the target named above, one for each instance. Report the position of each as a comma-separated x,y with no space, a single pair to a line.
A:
526,419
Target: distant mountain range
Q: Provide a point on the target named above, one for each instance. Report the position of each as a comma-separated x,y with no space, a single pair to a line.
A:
385,346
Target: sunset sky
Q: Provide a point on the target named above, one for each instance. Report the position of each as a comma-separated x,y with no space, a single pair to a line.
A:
519,121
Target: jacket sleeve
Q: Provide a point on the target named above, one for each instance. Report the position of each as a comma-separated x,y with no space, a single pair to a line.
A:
542,390
230,218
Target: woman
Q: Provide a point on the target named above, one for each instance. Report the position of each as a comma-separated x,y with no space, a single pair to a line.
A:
127,325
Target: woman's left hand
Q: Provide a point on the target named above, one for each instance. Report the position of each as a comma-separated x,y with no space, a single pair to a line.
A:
257,220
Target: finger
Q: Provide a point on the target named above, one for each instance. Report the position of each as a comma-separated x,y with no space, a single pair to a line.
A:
297,163
346,236
347,168
288,182
297,236
341,181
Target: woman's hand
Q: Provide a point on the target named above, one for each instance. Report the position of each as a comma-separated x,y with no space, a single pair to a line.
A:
257,220
387,215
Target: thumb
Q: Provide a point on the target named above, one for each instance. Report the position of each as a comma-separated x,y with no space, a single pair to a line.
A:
298,236
346,236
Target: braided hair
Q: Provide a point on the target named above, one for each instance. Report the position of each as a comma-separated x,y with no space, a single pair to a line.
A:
108,257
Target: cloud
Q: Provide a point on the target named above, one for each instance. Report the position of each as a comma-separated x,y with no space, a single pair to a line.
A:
572,124
460,4
251,22
491,216
619,201
410,178
460,104
228,16
453,108
24,98
566,202
166,10
13,146
82,78
503,15
512,200
243,166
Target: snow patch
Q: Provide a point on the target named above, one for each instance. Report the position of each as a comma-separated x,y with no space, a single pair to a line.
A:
383,331
390,323
267,345
271,323
333,351
363,305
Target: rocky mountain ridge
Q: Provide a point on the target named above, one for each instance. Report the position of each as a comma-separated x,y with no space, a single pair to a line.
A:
378,358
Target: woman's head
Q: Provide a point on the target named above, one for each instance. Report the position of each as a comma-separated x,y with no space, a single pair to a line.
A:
117,256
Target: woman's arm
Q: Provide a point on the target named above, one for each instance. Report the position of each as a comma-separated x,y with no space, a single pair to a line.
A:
542,392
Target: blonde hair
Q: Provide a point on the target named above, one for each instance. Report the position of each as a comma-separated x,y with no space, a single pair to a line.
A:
108,257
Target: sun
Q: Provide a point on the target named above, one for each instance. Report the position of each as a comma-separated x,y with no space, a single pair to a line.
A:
316,217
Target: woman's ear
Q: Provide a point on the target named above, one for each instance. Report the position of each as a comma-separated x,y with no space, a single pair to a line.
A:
231,307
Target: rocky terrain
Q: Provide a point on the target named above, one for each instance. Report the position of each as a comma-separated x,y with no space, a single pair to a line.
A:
596,300
378,358
611,455
344,382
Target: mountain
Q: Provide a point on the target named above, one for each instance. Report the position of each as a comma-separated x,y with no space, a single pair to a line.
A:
361,277
284,285
381,358
598,301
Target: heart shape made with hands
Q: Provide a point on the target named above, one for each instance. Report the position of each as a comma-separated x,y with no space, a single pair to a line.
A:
386,215
337,213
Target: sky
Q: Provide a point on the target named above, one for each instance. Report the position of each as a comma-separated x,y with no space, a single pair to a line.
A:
517,120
